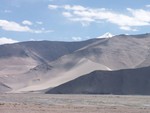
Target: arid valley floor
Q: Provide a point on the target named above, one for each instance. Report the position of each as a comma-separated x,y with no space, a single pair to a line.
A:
45,103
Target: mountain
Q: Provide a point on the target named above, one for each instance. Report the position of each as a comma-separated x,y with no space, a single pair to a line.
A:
21,57
29,61
106,35
121,82
119,52
36,66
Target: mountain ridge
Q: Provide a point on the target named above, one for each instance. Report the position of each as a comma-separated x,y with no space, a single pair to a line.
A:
32,66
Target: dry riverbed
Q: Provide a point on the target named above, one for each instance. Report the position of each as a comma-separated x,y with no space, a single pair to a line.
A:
44,103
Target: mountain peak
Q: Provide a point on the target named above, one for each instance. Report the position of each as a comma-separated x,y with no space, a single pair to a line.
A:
106,35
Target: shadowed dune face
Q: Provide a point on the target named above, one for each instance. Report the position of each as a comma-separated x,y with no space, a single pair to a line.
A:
33,66
126,82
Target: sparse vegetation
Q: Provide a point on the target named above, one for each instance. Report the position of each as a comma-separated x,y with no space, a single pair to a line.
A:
1,104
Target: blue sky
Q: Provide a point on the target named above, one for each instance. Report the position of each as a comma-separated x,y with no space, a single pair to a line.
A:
69,20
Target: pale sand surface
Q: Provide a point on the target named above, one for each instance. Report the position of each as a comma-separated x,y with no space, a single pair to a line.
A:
41,103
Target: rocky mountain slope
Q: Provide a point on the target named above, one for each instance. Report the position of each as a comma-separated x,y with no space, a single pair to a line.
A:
34,66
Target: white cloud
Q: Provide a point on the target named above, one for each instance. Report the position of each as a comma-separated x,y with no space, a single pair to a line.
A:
148,6
4,40
7,11
67,14
27,22
32,39
42,30
75,7
85,21
39,22
140,14
76,38
53,6
13,26
85,15
67,7
126,28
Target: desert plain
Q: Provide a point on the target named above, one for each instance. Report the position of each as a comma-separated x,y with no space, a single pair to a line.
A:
59,103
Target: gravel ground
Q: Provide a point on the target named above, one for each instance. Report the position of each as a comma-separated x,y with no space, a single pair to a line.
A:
44,103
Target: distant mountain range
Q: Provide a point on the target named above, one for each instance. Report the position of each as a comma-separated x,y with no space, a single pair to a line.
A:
59,67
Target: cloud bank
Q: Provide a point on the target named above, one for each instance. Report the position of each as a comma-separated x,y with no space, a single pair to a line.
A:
86,15
4,40
26,22
14,26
